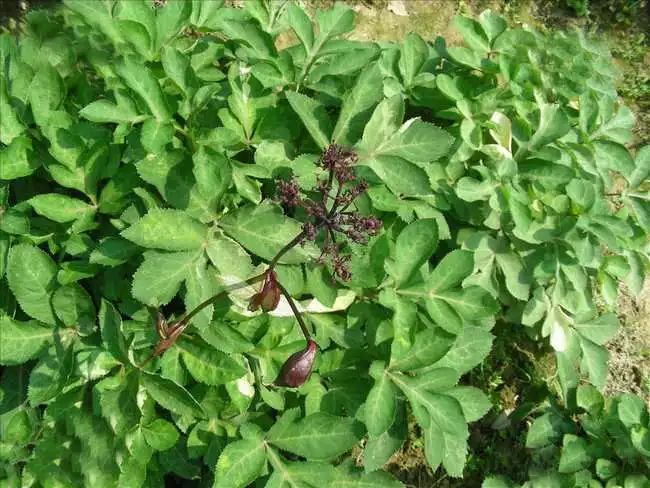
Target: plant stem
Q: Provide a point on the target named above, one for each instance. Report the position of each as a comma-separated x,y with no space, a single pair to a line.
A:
286,249
209,301
296,313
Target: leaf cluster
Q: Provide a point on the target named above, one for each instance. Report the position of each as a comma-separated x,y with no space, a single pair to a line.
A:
139,153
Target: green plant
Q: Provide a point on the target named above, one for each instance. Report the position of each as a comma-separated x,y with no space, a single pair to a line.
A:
158,163
605,441
581,7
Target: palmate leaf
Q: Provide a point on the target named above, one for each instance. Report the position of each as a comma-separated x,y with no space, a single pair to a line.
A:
447,304
444,423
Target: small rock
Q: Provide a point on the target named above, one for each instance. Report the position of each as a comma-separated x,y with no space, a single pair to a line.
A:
398,8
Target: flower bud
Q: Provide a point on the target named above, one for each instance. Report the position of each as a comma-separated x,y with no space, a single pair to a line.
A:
296,370
269,296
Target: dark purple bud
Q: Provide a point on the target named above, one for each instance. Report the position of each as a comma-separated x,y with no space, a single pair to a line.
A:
269,296
296,370
309,230
288,193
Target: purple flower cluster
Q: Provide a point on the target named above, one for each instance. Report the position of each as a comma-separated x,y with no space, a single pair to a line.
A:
329,211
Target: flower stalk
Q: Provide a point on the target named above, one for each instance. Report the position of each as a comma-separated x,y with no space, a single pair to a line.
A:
323,217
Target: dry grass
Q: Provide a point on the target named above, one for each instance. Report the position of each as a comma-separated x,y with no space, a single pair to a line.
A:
629,364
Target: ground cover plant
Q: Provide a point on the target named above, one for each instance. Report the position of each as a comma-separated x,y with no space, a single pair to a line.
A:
227,264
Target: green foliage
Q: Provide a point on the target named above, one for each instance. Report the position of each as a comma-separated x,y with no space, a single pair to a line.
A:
139,155
604,441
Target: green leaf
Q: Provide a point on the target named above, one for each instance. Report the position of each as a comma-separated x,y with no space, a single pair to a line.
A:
160,275
60,208
598,329
110,325
313,116
493,24
171,395
367,91
48,376
444,410
317,437
545,430
590,399
301,25
213,173
454,453
472,33
631,410
160,434
418,142
21,341
142,81
176,65
594,362
413,54
113,251
334,22
209,366
574,456
16,159
378,450
613,156
606,469
264,230
642,167
402,177
414,245
104,111
156,134
450,271
430,345
171,230
465,56
384,122
474,402
201,284
229,257
240,463
379,409
31,274
517,279
549,175
470,349
74,307
46,93
553,124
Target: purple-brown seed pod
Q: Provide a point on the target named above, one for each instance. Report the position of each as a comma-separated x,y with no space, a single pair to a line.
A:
296,370
269,296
